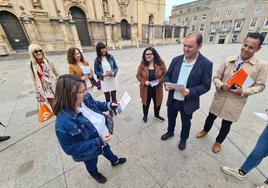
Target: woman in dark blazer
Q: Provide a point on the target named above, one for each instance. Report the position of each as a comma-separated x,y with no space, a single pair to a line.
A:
150,74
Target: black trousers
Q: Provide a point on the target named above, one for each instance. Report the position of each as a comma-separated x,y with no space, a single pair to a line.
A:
225,127
151,94
108,96
172,111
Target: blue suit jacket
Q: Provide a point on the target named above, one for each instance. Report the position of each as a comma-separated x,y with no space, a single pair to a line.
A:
199,81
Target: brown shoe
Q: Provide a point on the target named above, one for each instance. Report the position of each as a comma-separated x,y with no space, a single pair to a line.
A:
216,148
201,134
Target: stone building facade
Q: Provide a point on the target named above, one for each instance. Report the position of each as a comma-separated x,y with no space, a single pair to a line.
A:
223,21
60,24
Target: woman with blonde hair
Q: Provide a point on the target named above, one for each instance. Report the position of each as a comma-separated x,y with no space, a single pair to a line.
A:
78,66
44,74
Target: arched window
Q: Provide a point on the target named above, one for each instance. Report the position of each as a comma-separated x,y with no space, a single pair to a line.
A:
125,30
151,19
13,30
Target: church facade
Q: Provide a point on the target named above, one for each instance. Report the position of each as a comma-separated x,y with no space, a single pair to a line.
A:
59,24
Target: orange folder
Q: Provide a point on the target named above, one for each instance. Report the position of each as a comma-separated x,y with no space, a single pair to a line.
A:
238,78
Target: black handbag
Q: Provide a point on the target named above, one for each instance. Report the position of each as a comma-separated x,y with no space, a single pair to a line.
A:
110,123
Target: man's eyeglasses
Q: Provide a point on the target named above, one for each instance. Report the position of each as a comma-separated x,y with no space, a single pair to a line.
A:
36,51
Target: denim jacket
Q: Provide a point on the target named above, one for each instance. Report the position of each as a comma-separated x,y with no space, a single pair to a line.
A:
98,66
77,135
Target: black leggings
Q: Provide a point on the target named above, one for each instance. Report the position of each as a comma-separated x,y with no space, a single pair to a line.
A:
225,127
108,96
151,95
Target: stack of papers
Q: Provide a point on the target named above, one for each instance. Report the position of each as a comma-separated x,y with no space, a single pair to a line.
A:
261,115
123,102
175,86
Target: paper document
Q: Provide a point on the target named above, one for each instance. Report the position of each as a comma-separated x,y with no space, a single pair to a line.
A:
261,115
123,102
85,69
154,83
240,78
175,86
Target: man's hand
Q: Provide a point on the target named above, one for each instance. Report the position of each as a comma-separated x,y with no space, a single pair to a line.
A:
184,92
167,88
225,87
106,139
238,90
114,106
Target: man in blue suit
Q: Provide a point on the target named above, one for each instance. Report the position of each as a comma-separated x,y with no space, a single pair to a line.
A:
193,71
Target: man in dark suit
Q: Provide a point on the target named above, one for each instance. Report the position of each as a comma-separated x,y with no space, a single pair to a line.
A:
193,72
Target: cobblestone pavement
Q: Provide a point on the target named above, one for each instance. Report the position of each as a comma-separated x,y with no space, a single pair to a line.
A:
33,158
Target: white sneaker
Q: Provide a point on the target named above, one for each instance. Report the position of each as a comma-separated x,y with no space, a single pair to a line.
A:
264,185
233,172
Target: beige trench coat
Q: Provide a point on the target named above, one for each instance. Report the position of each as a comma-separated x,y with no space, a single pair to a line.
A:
228,105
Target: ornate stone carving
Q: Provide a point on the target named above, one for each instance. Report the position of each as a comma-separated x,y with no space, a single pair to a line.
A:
37,4
105,7
123,4
74,1
5,3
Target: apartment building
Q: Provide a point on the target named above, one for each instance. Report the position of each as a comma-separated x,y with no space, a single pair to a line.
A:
223,21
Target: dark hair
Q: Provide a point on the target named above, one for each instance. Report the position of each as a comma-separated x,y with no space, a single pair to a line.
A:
257,36
65,94
71,54
100,46
157,58
198,36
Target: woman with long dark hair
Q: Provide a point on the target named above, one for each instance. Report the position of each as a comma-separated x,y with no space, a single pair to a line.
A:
150,74
106,69
81,126
78,66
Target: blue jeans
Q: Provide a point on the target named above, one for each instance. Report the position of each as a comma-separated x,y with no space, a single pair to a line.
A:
258,154
91,165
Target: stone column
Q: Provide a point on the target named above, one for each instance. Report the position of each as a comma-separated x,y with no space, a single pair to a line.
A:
172,33
107,29
151,34
76,40
163,33
30,29
134,37
181,34
64,31
115,38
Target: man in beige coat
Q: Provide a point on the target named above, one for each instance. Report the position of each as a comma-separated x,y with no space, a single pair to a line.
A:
228,102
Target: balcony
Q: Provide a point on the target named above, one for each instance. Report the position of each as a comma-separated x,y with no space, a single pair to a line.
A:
237,29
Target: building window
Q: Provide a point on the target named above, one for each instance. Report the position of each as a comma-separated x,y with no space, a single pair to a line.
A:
186,19
216,14
226,25
195,18
180,11
211,39
204,16
188,9
229,12
234,38
214,26
258,9
242,11
253,22
193,28
202,27
266,23
238,24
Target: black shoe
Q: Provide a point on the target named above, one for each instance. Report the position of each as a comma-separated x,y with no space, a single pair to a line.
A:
120,161
100,178
166,136
144,119
3,138
182,145
160,118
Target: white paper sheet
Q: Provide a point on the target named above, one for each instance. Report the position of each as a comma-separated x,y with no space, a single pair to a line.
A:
123,102
261,115
154,83
174,86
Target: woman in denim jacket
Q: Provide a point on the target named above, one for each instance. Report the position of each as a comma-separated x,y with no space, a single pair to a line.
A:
106,69
80,125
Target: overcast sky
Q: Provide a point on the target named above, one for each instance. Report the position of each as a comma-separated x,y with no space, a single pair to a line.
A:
170,3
